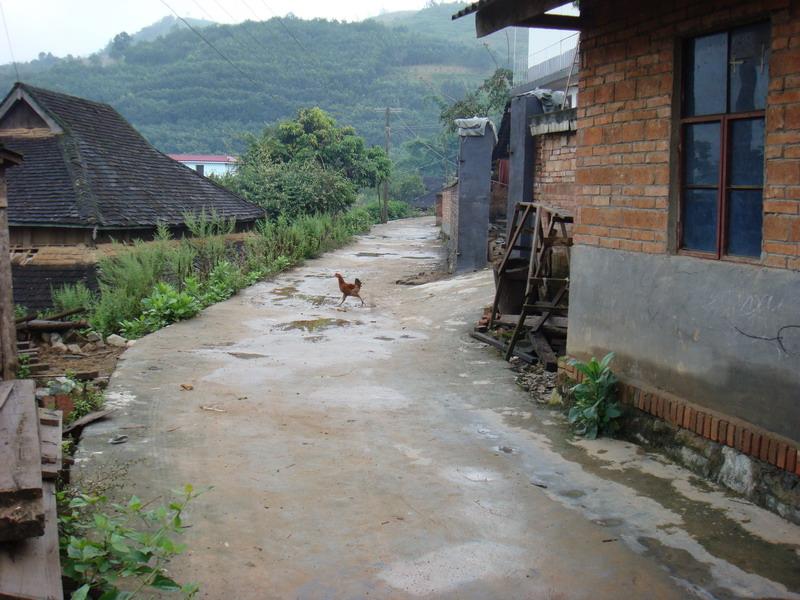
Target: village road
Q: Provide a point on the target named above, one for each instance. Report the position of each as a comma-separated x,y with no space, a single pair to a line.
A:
380,452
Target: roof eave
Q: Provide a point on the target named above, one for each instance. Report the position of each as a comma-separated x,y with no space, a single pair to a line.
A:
493,15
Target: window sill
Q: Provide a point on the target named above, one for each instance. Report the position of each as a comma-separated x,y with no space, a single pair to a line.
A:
742,260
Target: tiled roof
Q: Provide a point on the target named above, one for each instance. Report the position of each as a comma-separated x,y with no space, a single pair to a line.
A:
101,172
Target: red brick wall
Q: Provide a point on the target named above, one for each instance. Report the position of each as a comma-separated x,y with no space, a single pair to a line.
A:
554,170
625,121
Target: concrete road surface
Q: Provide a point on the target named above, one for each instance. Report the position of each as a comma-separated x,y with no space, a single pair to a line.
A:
379,452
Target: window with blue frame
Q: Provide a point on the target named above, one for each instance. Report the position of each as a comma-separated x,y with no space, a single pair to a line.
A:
722,164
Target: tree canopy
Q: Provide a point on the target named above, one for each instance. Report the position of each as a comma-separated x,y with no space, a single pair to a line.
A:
307,165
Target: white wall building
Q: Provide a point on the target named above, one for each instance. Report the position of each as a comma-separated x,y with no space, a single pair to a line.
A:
207,164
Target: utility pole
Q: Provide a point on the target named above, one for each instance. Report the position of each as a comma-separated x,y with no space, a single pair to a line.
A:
385,203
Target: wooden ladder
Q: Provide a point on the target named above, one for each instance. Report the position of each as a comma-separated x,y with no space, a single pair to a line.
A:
522,211
544,295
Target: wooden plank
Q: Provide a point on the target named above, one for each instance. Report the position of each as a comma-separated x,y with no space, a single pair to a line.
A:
5,391
533,321
543,351
86,420
48,416
8,334
487,339
50,440
31,568
20,465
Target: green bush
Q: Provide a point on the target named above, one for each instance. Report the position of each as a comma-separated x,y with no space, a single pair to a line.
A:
163,306
397,210
72,296
594,410
293,189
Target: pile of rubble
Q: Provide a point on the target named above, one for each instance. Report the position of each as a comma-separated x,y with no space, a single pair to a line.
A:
73,342
540,383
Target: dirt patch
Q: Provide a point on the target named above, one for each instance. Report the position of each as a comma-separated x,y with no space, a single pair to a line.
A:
103,361
422,277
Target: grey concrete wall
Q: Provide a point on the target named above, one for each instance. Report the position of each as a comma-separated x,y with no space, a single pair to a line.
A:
521,152
681,324
474,189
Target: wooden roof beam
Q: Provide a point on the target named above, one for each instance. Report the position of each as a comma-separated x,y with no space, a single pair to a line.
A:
511,13
546,21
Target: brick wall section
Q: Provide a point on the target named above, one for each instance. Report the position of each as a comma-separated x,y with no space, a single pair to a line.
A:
740,435
625,120
554,170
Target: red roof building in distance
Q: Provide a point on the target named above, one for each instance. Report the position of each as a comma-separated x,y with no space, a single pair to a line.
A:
207,164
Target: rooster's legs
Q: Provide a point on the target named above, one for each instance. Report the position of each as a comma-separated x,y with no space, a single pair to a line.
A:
344,297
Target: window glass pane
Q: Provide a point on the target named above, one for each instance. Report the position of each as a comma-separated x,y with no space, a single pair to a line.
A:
744,223
747,152
701,154
706,81
749,67
700,220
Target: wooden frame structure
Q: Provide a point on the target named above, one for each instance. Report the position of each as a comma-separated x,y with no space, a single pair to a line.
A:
545,305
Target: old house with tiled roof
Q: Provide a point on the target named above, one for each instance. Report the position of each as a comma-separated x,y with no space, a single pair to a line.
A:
88,178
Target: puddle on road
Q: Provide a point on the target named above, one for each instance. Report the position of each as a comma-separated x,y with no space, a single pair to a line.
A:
291,292
247,355
314,325
375,254
286,292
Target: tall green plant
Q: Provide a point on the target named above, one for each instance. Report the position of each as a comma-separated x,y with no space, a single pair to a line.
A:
121,551
71,296
595,410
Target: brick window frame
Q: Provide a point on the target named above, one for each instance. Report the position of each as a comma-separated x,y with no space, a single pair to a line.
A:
722,185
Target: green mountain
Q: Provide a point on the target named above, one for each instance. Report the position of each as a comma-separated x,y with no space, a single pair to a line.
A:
166,26
436,20
186,96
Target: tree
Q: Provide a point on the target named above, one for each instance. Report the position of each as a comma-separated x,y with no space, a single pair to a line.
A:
406,187
307,165
489,98
120,44
314,135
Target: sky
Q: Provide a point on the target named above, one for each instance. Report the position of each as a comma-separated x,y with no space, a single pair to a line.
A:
80,27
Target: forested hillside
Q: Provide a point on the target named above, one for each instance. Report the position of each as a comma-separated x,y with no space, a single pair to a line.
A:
185,97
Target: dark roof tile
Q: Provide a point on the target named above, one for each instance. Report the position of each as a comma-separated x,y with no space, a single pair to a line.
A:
102,172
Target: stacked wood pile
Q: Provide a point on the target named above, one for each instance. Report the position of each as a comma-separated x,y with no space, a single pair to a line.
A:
30,460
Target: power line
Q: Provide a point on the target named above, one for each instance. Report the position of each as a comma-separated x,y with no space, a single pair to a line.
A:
419,139
213,47
8,37
244,46
286,28
242,27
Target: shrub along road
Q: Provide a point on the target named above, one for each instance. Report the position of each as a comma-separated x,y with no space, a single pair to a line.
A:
381,452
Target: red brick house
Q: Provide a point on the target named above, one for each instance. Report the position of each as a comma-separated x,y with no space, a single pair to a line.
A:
686,261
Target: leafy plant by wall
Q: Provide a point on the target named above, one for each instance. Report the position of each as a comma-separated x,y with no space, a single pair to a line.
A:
595,410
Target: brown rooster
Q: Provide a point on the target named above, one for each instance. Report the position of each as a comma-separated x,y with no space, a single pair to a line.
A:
349,289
